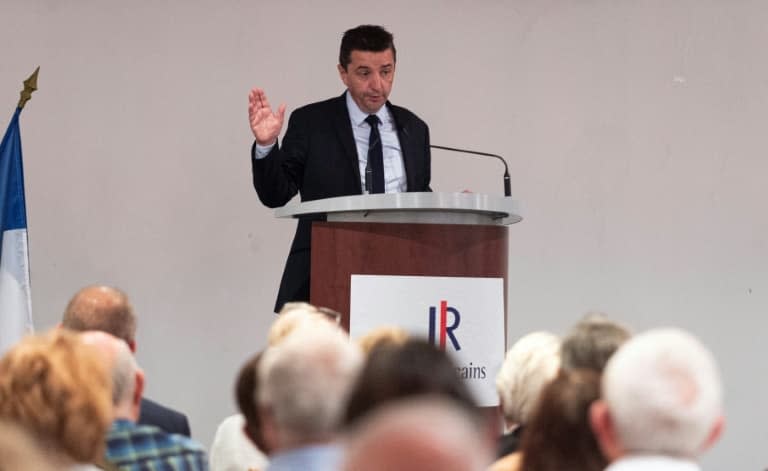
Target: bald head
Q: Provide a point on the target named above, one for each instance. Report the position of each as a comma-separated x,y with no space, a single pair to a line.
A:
417,434
127,378
102,308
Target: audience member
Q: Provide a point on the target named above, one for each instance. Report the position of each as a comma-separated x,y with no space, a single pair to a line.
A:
19,451
392,372
238,444
108,310
53,386
591,342
558,435
131,446
304,381
382,335
294,314
661,403
531,363
417,434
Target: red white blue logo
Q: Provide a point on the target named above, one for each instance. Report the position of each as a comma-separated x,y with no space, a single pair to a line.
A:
439,329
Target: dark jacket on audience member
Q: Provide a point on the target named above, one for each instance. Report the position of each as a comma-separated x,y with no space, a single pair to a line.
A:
160,416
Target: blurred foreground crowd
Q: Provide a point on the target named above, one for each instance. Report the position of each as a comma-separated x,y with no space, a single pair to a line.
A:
598,398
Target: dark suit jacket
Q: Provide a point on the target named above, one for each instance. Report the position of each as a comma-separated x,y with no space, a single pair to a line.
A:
152,413
318,159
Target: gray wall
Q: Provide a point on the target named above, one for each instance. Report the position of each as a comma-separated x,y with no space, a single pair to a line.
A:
633,131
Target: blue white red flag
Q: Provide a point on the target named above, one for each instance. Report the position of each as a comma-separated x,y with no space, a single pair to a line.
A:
15,295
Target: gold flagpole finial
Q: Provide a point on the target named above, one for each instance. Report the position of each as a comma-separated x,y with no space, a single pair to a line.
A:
30,85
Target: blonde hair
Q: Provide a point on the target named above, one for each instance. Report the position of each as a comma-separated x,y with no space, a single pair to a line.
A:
384,335
531,363
55,386
293,315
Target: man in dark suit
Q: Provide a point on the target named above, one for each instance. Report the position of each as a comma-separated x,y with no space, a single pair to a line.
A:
338,147
107,309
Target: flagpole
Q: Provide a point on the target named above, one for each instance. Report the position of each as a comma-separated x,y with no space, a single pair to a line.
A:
15,292
30,85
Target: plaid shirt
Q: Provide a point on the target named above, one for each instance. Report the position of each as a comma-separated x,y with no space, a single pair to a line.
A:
132,447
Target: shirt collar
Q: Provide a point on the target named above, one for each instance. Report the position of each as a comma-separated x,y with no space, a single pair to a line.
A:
357,116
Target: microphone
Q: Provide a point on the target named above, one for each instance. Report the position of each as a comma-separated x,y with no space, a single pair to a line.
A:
507,190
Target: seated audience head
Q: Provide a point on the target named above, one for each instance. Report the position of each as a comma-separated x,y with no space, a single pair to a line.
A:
126,376
292,315
529,365
661,395
246,392
389,335
416,434
558,435
102,308
415,368
304,382
591,342
53,386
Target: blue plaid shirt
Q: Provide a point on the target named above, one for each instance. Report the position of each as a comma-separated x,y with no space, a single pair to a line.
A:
132,447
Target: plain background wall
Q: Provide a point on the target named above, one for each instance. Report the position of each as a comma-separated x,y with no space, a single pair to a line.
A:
633,129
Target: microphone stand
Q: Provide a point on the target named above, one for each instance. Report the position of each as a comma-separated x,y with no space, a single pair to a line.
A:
507,188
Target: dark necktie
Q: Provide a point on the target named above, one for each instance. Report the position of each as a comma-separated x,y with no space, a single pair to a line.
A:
375,155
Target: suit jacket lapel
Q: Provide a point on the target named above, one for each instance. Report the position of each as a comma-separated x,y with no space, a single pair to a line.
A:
402,124
344,130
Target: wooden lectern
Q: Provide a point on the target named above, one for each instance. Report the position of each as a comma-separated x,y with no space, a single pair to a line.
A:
415,234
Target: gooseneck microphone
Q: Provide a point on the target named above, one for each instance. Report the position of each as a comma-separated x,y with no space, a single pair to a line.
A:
507,189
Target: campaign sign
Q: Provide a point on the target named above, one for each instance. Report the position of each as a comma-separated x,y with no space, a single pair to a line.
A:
462,316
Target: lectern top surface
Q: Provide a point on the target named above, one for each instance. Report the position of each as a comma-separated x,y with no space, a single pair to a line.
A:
472,207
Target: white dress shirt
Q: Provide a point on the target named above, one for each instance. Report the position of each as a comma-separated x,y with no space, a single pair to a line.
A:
394,168
652,463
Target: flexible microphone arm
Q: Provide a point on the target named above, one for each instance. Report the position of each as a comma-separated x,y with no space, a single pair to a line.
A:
507,189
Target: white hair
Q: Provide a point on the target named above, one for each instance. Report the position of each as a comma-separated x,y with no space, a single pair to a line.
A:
663,392
306,378
531,363
123,373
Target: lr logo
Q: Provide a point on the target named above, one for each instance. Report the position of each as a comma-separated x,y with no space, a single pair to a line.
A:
443,330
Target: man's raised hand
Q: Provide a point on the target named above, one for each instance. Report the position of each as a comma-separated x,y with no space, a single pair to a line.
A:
265,124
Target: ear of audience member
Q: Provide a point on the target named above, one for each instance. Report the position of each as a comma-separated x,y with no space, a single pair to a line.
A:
591,342
393,372
415,434
558,435
303,384
238,444
661,395
531,363
54,387
382,335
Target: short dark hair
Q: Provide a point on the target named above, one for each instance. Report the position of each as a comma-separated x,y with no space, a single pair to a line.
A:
415,368
371,38
591,342
246,390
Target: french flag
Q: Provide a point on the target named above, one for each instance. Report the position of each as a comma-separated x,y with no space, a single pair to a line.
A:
15,296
